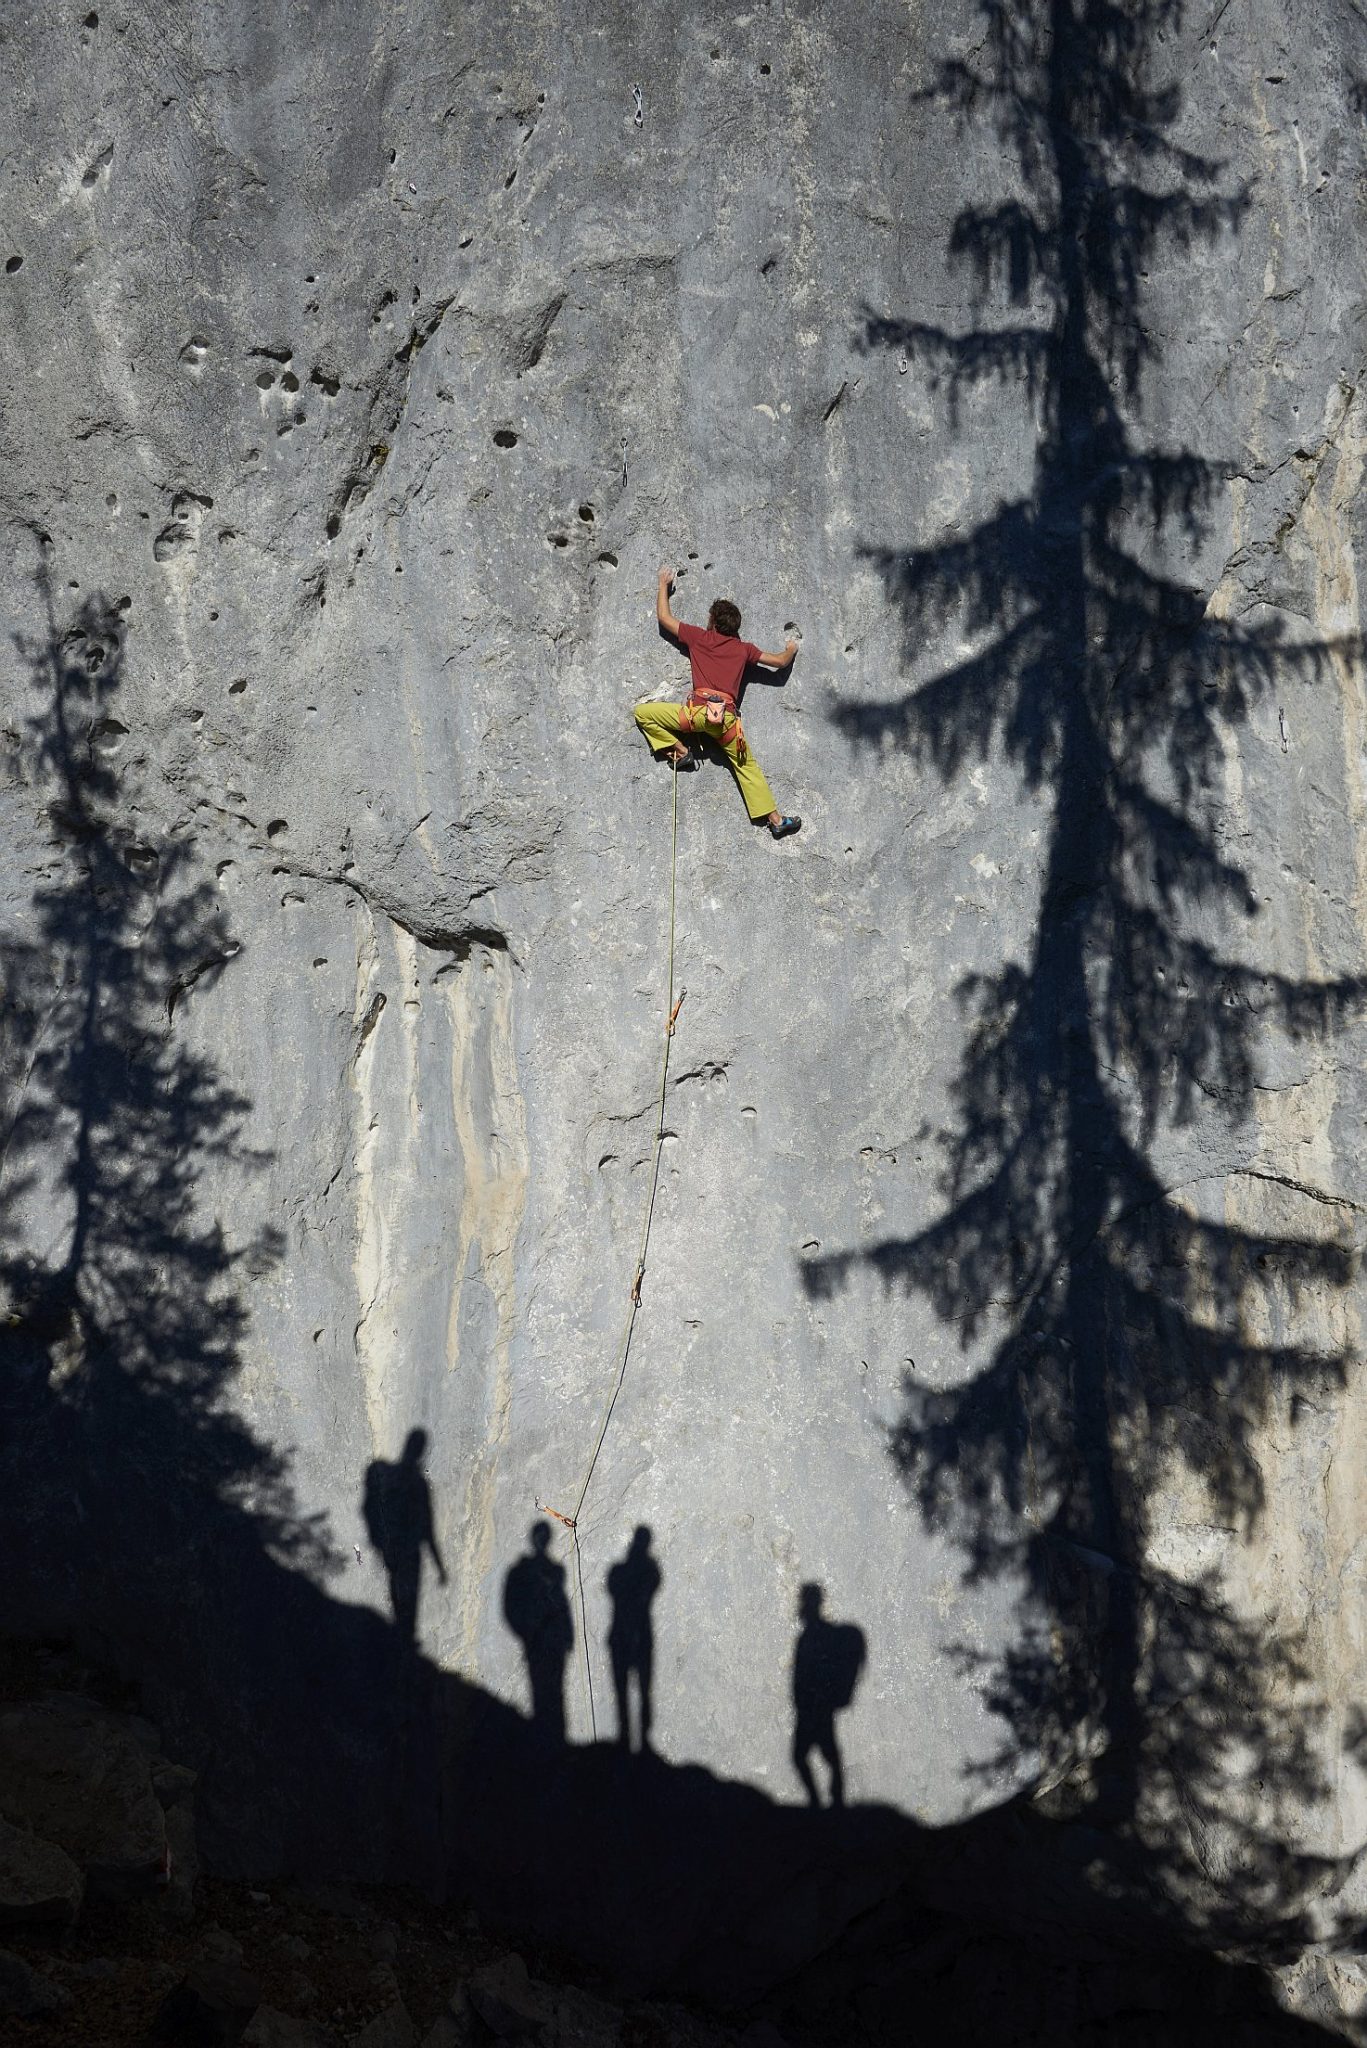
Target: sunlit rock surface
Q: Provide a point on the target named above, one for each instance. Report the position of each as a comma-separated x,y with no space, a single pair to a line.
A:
362,368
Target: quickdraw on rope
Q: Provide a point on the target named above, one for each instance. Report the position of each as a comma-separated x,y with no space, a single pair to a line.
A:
571,1521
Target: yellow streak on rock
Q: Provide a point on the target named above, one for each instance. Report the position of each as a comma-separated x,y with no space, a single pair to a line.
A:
491,1126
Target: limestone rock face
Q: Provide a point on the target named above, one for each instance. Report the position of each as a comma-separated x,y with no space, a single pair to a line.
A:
363,366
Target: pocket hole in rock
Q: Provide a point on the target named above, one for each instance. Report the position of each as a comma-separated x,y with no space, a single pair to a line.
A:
236,689
557,540
264,380
764,70
608,560
329,384
13,263
586,514
276,827
289,381
505,438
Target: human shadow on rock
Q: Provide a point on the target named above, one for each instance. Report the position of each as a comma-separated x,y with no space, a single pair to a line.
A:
632,1584
536,1608
396,1505
828,1658
1133,1339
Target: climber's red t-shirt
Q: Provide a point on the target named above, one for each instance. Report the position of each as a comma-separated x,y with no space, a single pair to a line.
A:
719,660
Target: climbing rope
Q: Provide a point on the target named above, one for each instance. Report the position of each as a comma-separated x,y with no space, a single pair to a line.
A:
571,1521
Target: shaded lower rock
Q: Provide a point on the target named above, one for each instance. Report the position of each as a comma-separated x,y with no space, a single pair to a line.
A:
210,2008
677,1910
81,1776
40,1885
24,1992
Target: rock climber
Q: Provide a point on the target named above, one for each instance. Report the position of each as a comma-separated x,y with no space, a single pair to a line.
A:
719,659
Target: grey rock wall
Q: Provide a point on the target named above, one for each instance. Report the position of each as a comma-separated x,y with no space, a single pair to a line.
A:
363,366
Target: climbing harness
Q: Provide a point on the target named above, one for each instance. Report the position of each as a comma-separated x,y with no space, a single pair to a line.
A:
716,718
571,1521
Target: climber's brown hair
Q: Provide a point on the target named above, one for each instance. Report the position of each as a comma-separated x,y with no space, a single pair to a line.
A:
724,617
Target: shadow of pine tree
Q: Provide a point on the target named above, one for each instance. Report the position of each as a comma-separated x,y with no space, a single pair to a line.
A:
1138,1337
126,1298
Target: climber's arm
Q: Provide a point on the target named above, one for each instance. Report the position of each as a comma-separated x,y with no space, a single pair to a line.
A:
784,660
662,610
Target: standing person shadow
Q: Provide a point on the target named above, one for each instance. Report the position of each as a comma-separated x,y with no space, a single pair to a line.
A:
537,1610
827,1660
632,1584
397,1507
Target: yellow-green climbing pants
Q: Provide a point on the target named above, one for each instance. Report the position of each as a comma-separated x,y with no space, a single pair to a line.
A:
664,725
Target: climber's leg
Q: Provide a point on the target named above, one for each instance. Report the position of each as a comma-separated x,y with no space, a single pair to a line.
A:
759,798
662,726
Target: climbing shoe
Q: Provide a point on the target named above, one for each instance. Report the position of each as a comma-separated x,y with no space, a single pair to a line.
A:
784,827
684,763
